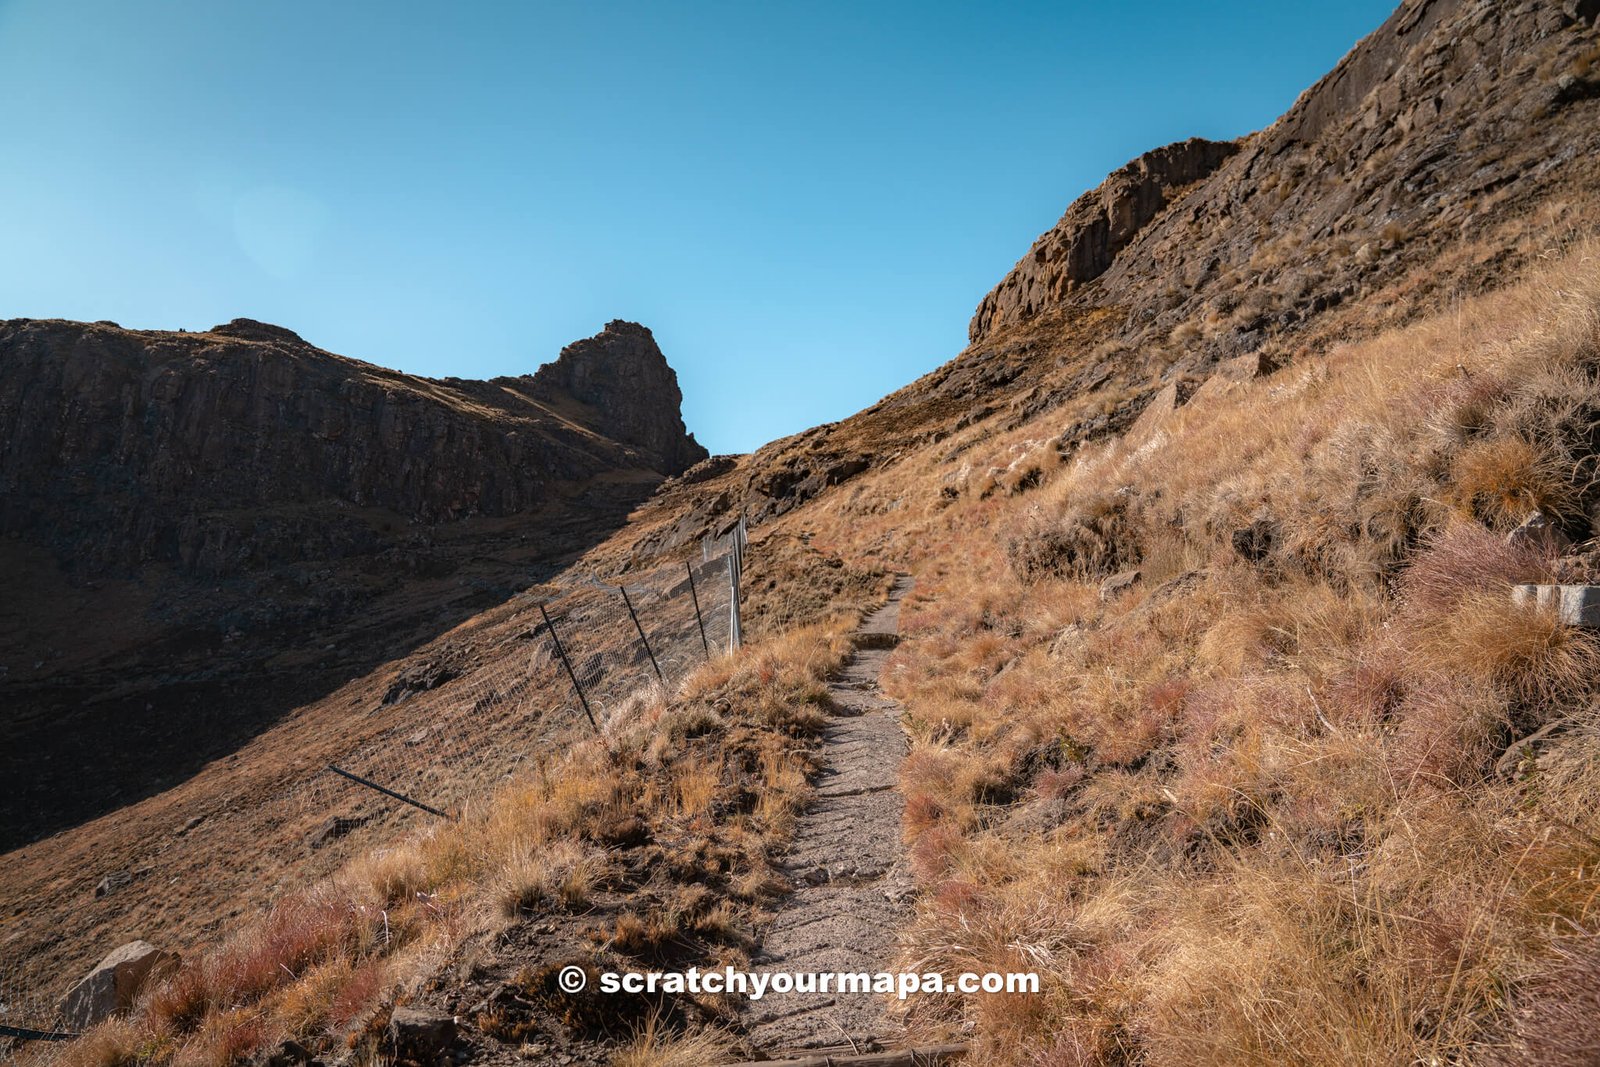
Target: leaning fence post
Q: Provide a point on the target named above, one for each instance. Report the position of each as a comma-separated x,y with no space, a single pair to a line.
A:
699,621
643,640
567,663
28,1033
356,778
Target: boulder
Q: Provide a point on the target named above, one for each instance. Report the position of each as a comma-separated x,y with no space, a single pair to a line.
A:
112,882
1539,533
421,677
1155,413
420,1036
111,987
287,1053
1248,367
333,828
1070,642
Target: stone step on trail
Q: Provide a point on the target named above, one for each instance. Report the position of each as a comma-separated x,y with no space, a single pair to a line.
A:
847,863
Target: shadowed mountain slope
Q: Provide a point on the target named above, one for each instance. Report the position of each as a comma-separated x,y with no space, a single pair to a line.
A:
204,530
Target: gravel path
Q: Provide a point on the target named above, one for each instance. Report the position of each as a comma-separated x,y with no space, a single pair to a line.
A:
852,890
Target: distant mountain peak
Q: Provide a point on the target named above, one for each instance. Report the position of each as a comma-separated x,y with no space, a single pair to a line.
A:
622,374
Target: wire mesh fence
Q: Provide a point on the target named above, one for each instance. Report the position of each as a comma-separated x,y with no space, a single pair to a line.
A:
26,1014
586,653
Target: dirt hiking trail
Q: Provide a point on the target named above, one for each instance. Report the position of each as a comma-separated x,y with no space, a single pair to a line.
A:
847,862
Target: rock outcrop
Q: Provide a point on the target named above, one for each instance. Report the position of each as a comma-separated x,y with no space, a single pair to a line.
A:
420,1037
1451,119
621,373
1095,228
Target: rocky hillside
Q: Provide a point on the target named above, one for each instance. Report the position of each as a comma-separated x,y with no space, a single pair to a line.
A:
1448,151
186,510
133,447
1450,117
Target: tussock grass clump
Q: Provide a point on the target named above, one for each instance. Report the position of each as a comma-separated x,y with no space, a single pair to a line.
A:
1555,1016
1097,538
655,1046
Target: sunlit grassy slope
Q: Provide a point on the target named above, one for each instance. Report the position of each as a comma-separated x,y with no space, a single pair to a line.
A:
1270,801
1300,785
651,844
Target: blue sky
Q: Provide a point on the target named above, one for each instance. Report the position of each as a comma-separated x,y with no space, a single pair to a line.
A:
804,202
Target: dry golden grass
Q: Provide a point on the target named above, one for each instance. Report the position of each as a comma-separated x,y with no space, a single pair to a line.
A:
328,962
1250,812
657,1047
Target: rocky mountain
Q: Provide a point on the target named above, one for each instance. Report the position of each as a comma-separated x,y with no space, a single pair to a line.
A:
1451,120
1097,226
184,511
1450,149
243,446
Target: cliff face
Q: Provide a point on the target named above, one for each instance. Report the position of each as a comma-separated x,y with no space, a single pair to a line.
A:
244,446
200,532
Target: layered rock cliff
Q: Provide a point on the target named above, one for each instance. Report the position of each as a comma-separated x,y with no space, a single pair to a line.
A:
620,372
1096,227
244,446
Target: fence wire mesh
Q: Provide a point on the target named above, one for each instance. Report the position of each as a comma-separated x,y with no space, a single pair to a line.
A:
430,755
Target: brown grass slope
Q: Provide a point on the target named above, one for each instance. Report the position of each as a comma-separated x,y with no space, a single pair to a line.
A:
1272,804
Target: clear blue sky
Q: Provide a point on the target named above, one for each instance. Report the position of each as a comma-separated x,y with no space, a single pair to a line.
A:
804,202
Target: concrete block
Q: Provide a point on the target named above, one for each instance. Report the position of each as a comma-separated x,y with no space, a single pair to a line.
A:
1574,605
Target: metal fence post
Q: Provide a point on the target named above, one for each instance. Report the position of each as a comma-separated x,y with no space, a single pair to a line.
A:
643,640
356,778
567,663
699,621
735,634
28,1033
